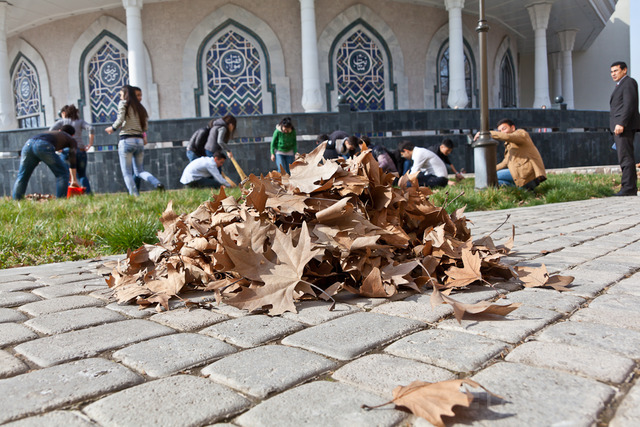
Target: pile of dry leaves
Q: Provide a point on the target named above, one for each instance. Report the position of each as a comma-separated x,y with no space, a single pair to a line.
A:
331,225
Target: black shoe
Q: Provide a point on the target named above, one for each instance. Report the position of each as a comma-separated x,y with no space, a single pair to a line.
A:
621,194
160,187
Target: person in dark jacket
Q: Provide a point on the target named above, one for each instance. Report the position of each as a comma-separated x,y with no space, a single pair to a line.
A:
443,150
340,144
42,148
195,148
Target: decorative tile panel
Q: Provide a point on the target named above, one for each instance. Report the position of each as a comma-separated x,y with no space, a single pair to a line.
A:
26,91
360,72
108,72
234,80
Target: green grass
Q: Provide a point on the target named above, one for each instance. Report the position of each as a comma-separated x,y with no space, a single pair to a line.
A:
41,232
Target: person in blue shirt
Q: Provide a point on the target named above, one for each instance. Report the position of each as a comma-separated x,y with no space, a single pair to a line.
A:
205,172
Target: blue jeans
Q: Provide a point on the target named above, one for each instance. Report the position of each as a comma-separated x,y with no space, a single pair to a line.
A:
131,153
505,178
284,160
191,156
34,152
81,167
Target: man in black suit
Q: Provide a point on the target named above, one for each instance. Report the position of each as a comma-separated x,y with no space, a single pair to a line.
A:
624,122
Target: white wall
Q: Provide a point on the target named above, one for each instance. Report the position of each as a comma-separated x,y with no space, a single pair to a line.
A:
591,79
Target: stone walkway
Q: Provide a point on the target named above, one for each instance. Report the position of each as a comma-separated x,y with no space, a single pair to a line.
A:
71,356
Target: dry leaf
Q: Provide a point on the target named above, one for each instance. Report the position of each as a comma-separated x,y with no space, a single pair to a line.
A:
460,309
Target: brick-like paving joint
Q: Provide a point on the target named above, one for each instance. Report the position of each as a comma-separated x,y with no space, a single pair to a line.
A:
69,355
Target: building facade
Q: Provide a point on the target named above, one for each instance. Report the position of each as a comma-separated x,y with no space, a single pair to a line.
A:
202,58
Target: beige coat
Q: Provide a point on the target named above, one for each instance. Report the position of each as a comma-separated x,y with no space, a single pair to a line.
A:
521,156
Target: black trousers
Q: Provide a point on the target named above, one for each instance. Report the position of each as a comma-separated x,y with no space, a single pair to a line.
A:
626,158
431,181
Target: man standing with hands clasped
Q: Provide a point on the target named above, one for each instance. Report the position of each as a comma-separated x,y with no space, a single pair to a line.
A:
624,122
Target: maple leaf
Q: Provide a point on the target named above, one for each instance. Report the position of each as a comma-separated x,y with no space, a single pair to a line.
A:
459,308
469,273
374,287
432,401
311,168
258,197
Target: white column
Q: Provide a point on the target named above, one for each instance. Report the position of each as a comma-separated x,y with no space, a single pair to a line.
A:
457,90
135,47
634,38
539,14
567,41
7,108
556,66
311,94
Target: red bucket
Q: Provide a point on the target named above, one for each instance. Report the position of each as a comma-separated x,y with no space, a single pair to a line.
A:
75,191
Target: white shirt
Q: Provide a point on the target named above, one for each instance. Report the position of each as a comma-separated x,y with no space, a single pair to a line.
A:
428,162
202,167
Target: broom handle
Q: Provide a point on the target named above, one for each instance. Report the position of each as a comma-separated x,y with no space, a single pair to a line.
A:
238,169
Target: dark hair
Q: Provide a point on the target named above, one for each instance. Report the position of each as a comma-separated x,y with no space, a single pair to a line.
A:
322,138
219,155
365,140
621,64
447,143
230,120
71,111
68,129
378,150
508,122
406,145
352,141
286,123
131,101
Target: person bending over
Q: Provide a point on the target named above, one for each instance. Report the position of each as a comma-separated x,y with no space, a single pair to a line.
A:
443,150
205,172
432,170
42,148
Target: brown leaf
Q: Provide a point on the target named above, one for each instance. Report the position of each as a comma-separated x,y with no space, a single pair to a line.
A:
469,273
533,277
373,287
559,283
459,308
310,169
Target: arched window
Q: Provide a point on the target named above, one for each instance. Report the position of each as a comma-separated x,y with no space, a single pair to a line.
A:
26,93
443,75
234,72
507,82
107,72
360,72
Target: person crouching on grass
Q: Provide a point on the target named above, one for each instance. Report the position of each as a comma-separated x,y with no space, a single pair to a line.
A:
42,148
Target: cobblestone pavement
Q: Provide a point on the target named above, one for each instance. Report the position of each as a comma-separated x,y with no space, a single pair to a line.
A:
70,356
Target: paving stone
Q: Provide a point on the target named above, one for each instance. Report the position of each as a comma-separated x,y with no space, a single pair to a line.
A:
321,403
629,286
317,312
89,342
593,335
181,400
9,275
68,289
55,305
103,294
628,413
251,331
55,418
22,285
548,299
186,320
261,371
533,397
610,267
588,282
15,299
160,357
453,350
595,363
416,307
512,328
132,310
14,333
68,277
65,321
625,302
45,389
10,365
350,336
363,303
11,315
618,318
381,373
